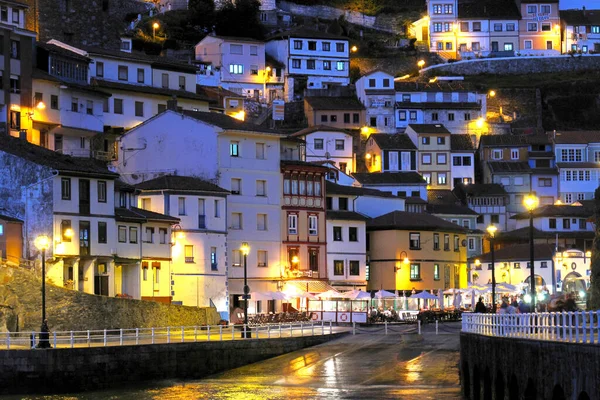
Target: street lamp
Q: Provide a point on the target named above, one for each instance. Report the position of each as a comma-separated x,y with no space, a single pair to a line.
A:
531,202
421,64
492,93
492,232
354,49
404,259
155,26
245,250
267,74
42,242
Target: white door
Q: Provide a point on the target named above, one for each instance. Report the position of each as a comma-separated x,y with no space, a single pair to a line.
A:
393,160
405,161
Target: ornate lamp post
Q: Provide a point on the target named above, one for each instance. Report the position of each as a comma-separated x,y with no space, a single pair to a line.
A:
245,249
492,232
42,242
531,202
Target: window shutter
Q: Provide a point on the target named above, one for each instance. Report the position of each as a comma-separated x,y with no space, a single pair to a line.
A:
386,160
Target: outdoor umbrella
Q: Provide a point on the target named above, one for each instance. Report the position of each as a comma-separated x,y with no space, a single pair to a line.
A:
329,294
356,295
424,295
277,295
302,295
258,296
457,300
384,294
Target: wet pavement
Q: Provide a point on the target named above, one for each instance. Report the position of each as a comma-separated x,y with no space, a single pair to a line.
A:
369,365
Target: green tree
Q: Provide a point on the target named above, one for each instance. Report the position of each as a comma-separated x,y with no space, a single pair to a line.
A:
239,18
594,292
202,13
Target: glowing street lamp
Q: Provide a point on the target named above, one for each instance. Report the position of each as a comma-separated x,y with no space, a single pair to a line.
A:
421,64
491,230
492,93
245,249
354,49
531,202
42,242
155,26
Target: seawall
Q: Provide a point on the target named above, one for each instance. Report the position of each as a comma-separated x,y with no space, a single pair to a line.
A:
80,369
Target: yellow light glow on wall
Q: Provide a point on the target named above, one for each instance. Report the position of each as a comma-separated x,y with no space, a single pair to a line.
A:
239,115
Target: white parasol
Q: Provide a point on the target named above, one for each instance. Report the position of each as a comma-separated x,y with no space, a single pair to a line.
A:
384,294
424,295
457,300
329,294
356,295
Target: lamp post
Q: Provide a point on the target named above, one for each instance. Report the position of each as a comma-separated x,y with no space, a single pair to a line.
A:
245,250
267,73
531,202
492,232
42,242
155,26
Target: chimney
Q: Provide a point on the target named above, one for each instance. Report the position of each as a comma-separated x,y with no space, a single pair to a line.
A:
172,104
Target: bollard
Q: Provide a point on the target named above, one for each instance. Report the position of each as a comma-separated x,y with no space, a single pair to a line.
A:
221,333
301,329
322,328
195,333
436,326
268,331
330,328
137,335
208,332
312,325
245,335
7,340
120,336
73,341
152,335
232,332
419,325
33,340
104,338
353,328
55,340
279,330
385,324
182,334
168,334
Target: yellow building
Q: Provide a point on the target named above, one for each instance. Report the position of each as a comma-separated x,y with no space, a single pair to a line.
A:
539,27
415,251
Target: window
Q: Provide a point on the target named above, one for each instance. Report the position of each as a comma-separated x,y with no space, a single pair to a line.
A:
65,184
448,26
236,69
441,158
495,218
323,118
140,75
518,181
4,13
353,234
475,46
448,8
425,140
318,144
436,272
123,72
415,272
139,109
338,267
339,144
545,9
346,118
54,102
456,243
181,206
261,188
312,45
355,118
402,115
313,225
234,149
213,259
326,46
254,70
582,223
497,154
340,65
236,220
545,182
437,27
436,241
333,118
437,8
514,154
354,268
446,242
337,233
162,235
476,26
118,106
425,158
434,116
236,258
261,222
450,116
297,44
471,243
122,234
260,151
566,223
15,49
101,232
413,115
149,235
497,27
531,9
296,63
89,107
327,65
74,104
510,28
15,119
261,257
189,253
339,47
372,121
236,186
292,224
133,234
442,178
102,191
508,47
415,241
236,49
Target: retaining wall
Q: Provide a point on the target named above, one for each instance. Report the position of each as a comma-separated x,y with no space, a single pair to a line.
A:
74,370
495,368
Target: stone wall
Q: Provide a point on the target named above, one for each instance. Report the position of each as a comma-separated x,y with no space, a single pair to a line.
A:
20,308
516,66
81,22
74,370
499,368
382,22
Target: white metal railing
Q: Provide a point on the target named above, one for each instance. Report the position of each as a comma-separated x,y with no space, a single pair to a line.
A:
574,326
179,334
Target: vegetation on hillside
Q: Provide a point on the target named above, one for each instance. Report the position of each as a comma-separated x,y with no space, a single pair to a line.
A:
370,7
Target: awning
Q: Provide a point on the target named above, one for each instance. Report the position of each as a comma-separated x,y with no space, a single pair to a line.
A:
311,286
68,131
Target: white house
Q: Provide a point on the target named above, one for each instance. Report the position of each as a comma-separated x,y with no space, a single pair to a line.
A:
376,91
199,246
402,184
462,153
369,202
390,153
313,60
240,63
577,155
241,158
333,145
488,200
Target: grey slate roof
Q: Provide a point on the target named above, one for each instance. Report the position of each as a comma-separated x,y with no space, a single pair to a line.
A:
51,159
450,209
519,167
226,122
180,183
389,178
580,17
403,220
483,189
334,103
564,210
512,140
429,128
10,219
438,86
461,142
346,215
398,141
334,188
112,85
441,196
577,165
305,33
517,252
438,105
318,128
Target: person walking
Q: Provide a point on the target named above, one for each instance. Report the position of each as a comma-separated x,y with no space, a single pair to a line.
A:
480,307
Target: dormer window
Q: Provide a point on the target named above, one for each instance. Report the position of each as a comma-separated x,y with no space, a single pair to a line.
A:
126,45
